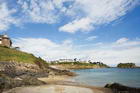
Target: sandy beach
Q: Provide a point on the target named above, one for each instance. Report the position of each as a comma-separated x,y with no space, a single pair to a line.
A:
56,89
51,89
59,84
52,79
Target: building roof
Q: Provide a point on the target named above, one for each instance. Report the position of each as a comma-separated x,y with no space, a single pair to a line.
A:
4,36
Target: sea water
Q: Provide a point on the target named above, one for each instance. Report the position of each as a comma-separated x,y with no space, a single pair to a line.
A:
100,77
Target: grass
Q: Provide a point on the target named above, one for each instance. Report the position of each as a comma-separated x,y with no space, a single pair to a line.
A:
13,55
77,63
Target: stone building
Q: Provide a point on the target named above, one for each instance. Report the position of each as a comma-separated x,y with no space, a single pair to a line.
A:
5,41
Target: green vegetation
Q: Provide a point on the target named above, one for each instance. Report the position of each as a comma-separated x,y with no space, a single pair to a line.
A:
13,55
126,65
79,65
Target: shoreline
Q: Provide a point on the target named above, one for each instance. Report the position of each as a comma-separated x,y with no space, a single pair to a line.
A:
62,83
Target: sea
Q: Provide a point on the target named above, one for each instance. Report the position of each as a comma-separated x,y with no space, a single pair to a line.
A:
101,77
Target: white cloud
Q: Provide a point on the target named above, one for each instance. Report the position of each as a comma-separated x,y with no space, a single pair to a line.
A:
45,48
107,53
38,11
125,43
6,18
85,14
30,11
99,12
83,24
42,11
122,40
91,38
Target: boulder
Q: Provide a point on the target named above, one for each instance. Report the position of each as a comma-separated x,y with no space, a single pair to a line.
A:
119,88
7,82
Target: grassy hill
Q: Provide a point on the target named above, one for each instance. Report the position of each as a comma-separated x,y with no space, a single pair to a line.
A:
8,55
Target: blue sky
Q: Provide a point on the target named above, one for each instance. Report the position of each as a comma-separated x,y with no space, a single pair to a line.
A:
99,30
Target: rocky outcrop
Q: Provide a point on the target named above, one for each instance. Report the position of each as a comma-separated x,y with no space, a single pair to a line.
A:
14,74
7,82
118,88
55,71
14,69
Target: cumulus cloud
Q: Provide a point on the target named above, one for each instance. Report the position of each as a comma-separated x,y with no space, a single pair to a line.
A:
6,18
83,24
110,53
45,48
98,12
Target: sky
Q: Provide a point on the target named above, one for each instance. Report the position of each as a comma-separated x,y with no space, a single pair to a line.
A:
96,30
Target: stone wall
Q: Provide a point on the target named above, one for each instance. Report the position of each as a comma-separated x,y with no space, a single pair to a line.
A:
6,42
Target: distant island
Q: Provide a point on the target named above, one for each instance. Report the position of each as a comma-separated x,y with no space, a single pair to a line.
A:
126,65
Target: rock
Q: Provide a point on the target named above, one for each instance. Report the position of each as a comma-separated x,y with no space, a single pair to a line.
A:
14,74
7,82
32,81
14,69
118,88
54,71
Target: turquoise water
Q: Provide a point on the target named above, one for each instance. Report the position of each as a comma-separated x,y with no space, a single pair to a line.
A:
100,77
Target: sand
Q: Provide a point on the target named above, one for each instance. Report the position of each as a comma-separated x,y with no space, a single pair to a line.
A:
51,79
51,89
59,84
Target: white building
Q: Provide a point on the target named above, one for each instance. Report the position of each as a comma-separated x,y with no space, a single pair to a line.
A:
66,60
